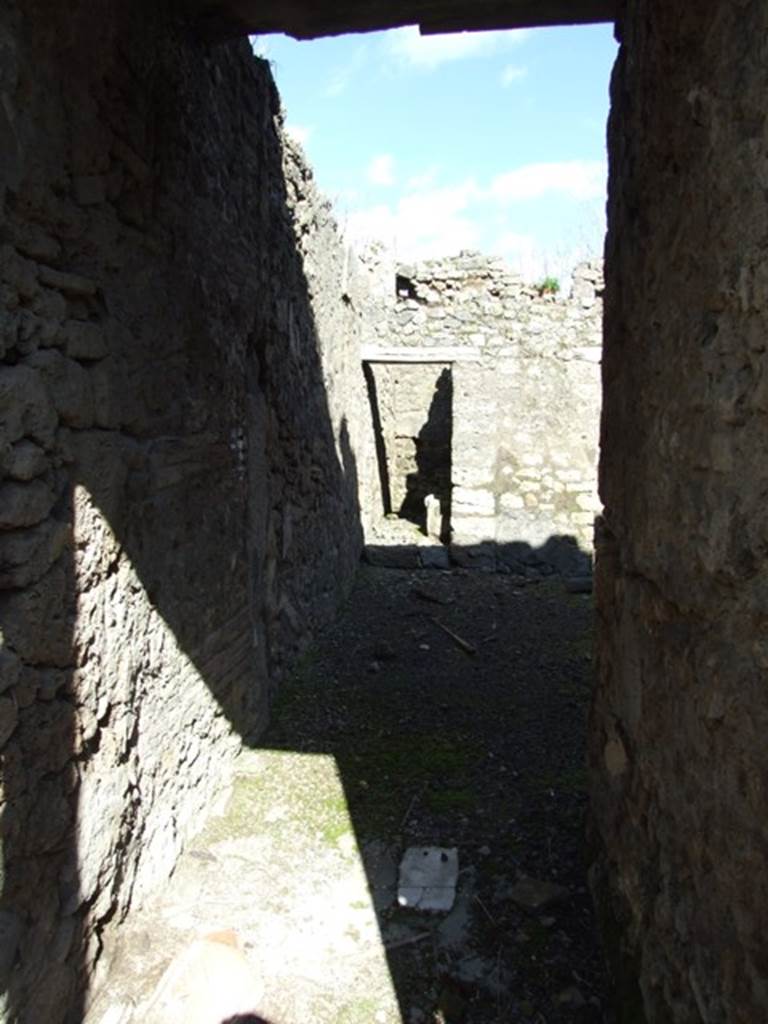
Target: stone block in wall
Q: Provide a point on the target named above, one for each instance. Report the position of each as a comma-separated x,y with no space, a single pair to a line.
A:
10,669
37,621
18,272
108,399
34,241
25,460
51,307
69,386
511,502
83,340
24,503
39,331
26,555
474,468
74,285
472,529
472,502
26,408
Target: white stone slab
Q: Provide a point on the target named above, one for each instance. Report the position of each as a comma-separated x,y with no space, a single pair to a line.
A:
428,876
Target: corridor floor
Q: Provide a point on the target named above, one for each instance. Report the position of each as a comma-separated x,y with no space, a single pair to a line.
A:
443,709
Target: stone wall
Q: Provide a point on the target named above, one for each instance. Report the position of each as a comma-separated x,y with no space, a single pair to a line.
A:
179,409
525,407
678,738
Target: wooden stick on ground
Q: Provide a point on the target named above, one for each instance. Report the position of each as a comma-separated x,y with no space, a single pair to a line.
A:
464,645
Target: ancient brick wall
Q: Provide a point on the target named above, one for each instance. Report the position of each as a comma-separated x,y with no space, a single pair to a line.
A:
678,739
177,446
525,404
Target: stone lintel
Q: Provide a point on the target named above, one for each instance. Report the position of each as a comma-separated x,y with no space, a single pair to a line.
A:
438,354
307,19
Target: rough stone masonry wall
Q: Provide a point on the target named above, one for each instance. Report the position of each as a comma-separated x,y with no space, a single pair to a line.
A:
178,497
526,403
678,739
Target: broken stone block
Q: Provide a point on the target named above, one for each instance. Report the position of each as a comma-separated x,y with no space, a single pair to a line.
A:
428,876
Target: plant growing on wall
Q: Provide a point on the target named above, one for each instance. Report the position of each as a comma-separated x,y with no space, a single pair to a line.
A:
549,286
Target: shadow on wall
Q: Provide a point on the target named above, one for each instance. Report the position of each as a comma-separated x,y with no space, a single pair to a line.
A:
378,438
195,464
433,456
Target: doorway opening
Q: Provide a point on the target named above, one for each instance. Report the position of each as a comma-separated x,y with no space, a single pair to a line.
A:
412,415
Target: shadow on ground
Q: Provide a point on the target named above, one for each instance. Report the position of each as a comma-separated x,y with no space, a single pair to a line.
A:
479,751
442,709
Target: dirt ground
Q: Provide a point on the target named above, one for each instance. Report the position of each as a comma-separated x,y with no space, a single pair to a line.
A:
442,709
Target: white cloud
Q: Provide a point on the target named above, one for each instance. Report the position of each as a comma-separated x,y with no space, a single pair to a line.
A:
421,224
579,179
512,73
298,132
344,73
381,170
430,51
427,221
422,181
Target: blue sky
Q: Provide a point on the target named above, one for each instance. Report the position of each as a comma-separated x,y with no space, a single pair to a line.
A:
492,141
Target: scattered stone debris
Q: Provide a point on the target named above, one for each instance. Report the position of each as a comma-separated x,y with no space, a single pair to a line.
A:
428,876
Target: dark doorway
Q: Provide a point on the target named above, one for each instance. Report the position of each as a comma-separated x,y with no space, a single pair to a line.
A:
430,450
412,414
